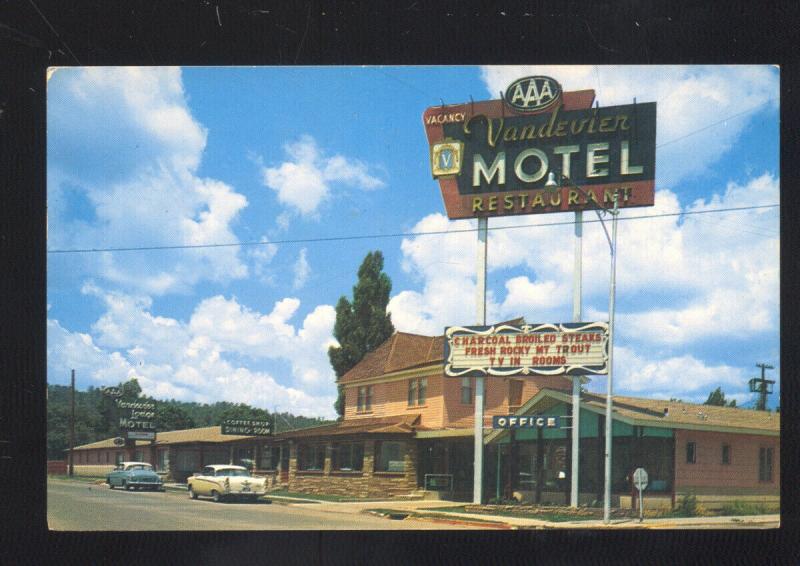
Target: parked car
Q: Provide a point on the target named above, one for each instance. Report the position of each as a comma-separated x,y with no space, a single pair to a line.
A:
134,475
224,481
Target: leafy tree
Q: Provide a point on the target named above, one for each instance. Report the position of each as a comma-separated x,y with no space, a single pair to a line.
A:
170,416
242,411
717,397
363,324
97,417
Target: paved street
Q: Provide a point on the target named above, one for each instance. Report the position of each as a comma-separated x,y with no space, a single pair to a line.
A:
80,506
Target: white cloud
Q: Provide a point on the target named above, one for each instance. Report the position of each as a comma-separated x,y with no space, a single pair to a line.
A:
689,98
301,269
304,182
708,276
124,148
201,360
683,377
262,256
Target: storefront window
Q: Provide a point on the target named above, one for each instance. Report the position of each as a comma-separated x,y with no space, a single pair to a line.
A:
270,457
726,454
311,457
163,460
348,456
118,457
390,457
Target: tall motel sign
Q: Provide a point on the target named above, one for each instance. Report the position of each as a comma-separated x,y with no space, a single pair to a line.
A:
502,158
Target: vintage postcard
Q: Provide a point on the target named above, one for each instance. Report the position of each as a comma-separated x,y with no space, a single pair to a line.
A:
413,297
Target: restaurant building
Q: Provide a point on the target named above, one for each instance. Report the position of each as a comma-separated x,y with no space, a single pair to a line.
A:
408,431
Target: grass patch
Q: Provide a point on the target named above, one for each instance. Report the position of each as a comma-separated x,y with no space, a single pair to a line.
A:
544,515
747,508
86,479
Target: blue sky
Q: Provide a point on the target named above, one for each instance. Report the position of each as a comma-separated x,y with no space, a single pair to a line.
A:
143,157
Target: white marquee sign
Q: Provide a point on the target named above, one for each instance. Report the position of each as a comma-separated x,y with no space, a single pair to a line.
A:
531,349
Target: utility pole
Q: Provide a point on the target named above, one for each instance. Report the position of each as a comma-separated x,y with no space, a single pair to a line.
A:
72,428
762,387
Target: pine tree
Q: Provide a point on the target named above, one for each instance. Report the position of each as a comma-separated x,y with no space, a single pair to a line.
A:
717,397
364,324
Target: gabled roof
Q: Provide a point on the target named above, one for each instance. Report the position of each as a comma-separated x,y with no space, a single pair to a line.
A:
203,434
402,350
651,412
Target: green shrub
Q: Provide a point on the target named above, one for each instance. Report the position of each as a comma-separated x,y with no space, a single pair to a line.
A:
743,508
687,506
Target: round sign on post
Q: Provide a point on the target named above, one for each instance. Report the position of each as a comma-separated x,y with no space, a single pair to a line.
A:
640,479
119,441
640,483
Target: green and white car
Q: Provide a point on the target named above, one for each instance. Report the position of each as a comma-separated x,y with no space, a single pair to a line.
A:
134,475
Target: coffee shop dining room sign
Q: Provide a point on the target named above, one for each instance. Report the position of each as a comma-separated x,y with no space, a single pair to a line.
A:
568,348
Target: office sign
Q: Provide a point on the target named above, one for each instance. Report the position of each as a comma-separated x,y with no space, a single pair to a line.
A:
525,421
247,427
492,158
568,348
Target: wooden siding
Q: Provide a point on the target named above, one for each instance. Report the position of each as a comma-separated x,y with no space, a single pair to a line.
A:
443,407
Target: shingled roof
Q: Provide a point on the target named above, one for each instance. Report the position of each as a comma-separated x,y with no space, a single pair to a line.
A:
402,350
402,424
203,434
670,414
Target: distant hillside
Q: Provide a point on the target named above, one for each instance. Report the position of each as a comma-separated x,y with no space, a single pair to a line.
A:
96,415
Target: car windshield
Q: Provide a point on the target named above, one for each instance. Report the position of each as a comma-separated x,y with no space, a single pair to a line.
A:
233,472
140,467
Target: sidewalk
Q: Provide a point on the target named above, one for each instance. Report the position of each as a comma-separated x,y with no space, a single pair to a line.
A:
426,508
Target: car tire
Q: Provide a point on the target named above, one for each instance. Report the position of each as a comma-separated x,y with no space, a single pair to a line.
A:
192,494
110,485
216,496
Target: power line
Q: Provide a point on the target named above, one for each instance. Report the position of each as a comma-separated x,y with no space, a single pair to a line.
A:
396,234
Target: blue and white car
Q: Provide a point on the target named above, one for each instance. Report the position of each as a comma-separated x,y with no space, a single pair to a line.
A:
135,475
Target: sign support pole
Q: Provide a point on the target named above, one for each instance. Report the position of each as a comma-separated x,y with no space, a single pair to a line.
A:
576,379
480,294
610,385
71,470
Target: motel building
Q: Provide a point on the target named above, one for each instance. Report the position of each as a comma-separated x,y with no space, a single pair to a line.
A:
408,432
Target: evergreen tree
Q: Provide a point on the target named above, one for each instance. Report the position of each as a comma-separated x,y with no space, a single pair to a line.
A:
363,324
717,397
